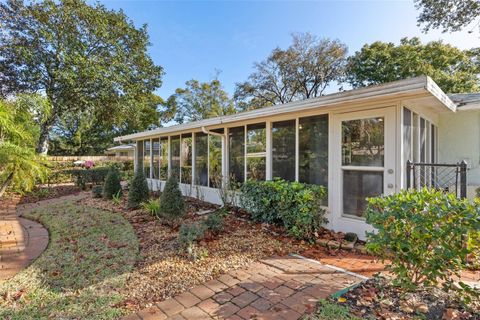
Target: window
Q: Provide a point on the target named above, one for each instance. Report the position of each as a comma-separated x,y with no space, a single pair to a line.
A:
175,156
156,158
236,155
164,158
186,159
423,140
283,150
363,142
313,150
256,151
146,158
201,153
139,155
407,135
215,160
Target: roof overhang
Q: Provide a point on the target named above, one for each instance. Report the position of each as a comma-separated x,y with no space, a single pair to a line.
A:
417,88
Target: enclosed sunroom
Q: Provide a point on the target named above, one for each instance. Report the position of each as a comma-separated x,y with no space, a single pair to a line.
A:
355,143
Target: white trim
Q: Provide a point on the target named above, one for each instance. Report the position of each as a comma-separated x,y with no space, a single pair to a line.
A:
268,150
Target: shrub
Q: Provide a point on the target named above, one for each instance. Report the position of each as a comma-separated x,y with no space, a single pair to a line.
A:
117,197
138,191
97,191
422,233
152,206
112,184
215,221
93,176
172,205
189,234
296,206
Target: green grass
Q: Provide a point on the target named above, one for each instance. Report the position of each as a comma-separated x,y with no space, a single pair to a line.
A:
327,310
88,258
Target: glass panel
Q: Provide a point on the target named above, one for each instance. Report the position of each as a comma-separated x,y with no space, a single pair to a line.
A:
407,135
140,155
357,186
363,142
433,144
146,158
186,159
256,138
201,152
156,158
423,139
313,150
215,161
416,138
256,168
175,156
163,158
236,145
283,150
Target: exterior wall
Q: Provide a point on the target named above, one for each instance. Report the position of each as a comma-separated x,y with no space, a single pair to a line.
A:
459,139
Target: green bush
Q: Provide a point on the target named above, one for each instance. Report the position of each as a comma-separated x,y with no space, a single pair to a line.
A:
189,234
97,191
93,176
215,221
172,206
422,234
138,191
152,206
296,206
112,184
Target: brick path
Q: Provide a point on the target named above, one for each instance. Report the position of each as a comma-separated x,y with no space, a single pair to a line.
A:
275,288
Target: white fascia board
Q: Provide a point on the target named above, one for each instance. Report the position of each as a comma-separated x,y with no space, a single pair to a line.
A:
410,86
435,90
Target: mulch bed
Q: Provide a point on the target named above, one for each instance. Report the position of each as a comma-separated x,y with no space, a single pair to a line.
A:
164,271
45,193
376,298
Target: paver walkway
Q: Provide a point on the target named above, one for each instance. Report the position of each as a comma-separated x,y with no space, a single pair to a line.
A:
275,288
21,240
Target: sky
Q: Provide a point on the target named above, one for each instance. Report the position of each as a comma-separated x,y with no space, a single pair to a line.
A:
197,39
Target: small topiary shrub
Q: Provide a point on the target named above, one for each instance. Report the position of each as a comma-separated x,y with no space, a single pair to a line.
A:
172,206
296,206
215,221
189,234
112,184
138,191
152,206
422,234
97,191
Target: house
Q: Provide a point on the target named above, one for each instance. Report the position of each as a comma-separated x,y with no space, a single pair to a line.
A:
123,150
356,143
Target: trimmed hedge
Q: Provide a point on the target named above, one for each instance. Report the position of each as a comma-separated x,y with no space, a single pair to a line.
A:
172,206
112,186
94,176
138,191
296,206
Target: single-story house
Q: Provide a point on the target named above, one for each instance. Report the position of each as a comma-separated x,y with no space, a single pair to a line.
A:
355,143
123,150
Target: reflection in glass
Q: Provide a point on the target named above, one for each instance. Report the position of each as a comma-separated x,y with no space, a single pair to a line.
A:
256,168
146,158
175,156
163,158
283,150
236,144
139,155
357,186
186,158
363,142
156,158
256,138
215,161
313,150
201,151
407,135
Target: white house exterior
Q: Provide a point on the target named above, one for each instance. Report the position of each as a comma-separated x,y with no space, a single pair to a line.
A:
355,143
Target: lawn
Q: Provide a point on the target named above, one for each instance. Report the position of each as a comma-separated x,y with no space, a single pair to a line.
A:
90,254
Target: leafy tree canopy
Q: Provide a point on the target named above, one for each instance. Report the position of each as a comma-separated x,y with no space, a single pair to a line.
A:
454,70
303,70
198,100
449,15
84,59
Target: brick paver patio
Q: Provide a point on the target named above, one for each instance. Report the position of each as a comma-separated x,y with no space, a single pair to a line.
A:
274,288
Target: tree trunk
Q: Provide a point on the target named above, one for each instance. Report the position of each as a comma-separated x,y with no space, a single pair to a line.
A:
6,184
43,139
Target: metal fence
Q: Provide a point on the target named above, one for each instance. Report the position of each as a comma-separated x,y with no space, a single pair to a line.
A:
445,177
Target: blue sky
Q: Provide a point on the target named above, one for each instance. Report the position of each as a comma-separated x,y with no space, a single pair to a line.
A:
193,39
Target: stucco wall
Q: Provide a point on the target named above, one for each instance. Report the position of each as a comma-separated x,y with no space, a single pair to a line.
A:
459,139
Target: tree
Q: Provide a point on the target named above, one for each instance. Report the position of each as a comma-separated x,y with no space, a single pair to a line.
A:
80,57
450,15
199,100
304,70
20,167
138,190
454,70
112,186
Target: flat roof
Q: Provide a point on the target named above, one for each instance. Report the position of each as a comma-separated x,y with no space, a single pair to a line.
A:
411,86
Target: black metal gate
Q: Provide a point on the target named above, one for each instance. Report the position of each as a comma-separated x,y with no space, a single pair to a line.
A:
445,177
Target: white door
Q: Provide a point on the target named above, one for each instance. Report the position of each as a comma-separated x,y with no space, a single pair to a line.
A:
363,165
